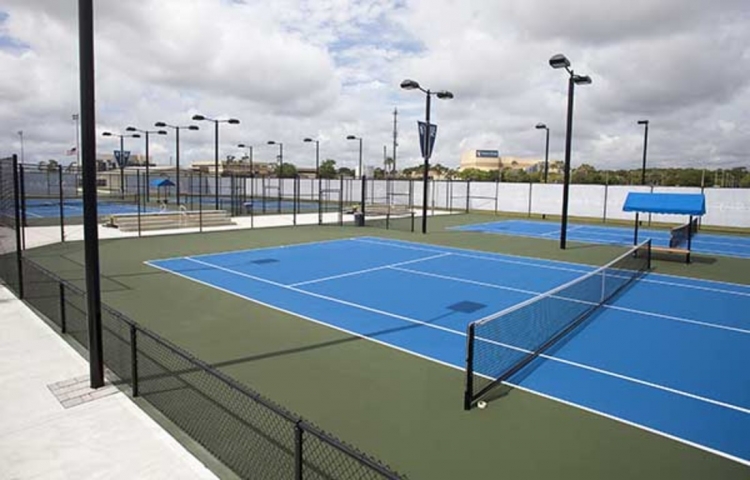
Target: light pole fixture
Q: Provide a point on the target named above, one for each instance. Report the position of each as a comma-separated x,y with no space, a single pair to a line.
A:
561,61
177,129
249,156
645,146
443,95
541,126
231,121
121,161
148,161
354,137
280,157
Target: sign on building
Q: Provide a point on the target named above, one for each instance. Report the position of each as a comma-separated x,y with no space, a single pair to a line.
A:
488,153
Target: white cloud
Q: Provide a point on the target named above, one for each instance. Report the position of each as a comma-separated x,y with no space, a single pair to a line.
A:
295,68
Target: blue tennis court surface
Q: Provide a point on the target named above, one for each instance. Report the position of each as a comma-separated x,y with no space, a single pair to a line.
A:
730,245
74,208
668,355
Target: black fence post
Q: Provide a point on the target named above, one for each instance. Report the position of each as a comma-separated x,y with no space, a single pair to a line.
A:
200,201
134,360
298,457
138,198
63,316
17,214
61,198
22,191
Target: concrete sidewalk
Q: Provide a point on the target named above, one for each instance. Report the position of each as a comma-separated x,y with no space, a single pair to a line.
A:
53,426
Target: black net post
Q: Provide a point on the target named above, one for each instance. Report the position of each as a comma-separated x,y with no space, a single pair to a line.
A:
469,391
364,196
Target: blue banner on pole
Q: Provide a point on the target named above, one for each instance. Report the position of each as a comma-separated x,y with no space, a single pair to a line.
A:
122,161
422,132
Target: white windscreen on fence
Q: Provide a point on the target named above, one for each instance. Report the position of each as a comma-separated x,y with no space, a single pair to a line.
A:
513,197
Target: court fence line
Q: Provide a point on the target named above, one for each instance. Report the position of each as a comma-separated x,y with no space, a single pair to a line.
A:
252,435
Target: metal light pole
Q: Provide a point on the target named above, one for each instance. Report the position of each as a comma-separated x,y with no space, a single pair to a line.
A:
561,61
281,155
148,161
177,129
443,95
317,155
249,156
232,121
541,126
122,159
645,146
20,134
90,221
354,137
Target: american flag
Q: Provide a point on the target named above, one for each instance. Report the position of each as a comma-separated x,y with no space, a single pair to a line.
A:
72,151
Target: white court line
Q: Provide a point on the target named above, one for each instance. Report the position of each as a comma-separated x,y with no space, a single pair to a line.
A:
35,215
463,334
439,362
368,270
588,268
574,300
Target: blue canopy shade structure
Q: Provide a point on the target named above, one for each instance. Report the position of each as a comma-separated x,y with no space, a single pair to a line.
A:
671,203
162,182
691,204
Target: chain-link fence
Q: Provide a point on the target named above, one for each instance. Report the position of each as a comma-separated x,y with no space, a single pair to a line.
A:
250,434
10,231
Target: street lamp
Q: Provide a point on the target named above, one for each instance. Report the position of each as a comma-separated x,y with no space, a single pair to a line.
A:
354,137
645,145
443,95
561,61
249,155
232,121
281,155
147,133
317,155
541,126
121,160
177,129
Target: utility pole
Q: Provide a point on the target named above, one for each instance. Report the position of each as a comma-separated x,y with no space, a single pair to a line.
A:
395,137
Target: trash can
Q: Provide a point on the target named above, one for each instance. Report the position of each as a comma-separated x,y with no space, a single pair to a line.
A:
359,219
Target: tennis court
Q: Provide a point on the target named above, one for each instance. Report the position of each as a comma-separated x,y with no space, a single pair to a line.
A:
702,243
36,208
666,354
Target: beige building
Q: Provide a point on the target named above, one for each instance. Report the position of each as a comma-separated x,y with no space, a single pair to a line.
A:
490,160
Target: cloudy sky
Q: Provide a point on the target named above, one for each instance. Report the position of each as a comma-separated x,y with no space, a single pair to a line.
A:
289,69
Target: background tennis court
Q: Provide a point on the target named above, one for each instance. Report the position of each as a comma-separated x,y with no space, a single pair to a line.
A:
406,409
649,359
705,243
74,208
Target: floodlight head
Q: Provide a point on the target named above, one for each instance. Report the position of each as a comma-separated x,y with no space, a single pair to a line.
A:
410,84
541,126
271,142
131,129
241,145
136,135
198,117
161,132
160,124
444,95
233,121
308,140
559,61
351,137
106,134
581,79
193,127
642,122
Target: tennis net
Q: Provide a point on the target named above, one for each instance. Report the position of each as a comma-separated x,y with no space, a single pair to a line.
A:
679,236
500,345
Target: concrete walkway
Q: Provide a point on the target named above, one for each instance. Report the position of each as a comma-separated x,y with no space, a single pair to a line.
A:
53,426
